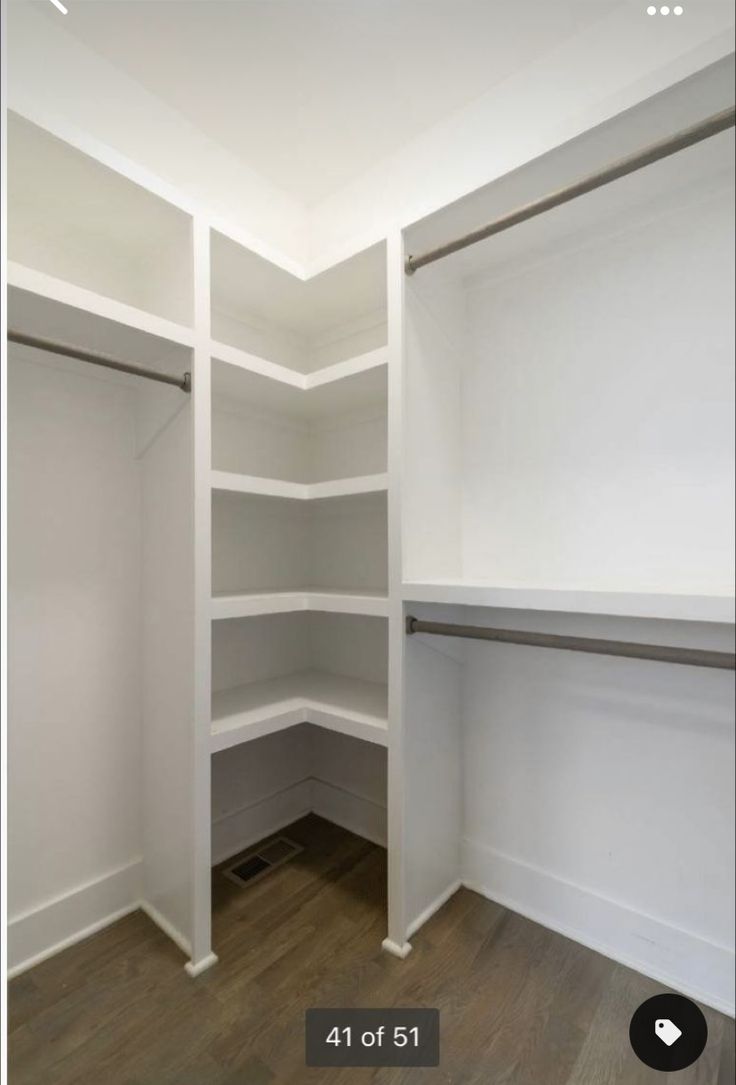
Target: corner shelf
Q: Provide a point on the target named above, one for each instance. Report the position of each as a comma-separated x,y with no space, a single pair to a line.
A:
298,491
238,376
349,706
254,603
666,606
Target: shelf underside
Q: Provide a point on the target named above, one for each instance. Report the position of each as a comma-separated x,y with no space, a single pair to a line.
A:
347,705
252,603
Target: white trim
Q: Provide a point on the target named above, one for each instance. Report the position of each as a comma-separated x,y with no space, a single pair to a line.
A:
433,907
55,924
395,949
194,969
166,926
250,604
65,943
239,829
359,815
699,968
251,823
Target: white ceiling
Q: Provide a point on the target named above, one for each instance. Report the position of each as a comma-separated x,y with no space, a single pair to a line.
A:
311,93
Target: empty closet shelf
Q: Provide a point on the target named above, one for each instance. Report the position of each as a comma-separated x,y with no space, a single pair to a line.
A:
250,604
348,705
298,491
351,385
673,606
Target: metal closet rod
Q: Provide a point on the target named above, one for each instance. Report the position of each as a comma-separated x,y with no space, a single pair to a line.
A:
50,345
691,657
718,122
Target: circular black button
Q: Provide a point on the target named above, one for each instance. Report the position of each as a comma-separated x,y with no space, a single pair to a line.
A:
668,1032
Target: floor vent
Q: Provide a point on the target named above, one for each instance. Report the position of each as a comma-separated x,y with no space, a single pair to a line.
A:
250,867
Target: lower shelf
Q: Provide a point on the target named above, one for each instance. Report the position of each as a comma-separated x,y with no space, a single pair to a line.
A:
252,603
347,705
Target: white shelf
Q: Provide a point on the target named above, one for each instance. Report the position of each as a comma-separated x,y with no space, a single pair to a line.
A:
298,491
37,284
337,703
677,607
240,377
253,603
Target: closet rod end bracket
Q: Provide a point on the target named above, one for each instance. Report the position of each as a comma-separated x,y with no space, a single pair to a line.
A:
186,384
410,623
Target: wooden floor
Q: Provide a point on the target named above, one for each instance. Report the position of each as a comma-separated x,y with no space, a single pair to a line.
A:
519,1004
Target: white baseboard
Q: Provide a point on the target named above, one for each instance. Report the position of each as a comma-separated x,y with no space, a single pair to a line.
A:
435,906
49,928
698,968
236,831
41,932
401,951
166,926
358,815
196,968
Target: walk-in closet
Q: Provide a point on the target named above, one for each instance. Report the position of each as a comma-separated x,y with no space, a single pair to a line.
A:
412,512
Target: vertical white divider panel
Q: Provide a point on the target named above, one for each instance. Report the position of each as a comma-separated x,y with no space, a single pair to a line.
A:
433,336
202,955
167,663
397,925
433,692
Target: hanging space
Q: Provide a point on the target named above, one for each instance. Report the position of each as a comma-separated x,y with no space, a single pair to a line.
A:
568,471
100,571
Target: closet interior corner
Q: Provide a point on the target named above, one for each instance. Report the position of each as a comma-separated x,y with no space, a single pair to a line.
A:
214,579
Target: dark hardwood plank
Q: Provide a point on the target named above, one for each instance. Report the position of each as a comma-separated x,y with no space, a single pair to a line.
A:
519,1004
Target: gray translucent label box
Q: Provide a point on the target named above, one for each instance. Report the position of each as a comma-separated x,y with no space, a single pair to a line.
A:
391,1037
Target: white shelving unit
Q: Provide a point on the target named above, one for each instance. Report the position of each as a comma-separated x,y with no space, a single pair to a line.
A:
346,705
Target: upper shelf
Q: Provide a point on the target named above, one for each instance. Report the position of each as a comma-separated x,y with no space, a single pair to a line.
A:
242,378
691,608
74,219
46,294
302,325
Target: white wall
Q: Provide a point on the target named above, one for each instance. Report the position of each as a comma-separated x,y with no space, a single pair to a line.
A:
74,657
598,795
598,437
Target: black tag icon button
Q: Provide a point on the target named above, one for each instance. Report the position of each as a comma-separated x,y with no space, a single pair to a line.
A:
668,1032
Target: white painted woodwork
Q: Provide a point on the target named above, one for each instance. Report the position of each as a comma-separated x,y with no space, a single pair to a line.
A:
346,705
567,467
533,433
231,482
330,601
